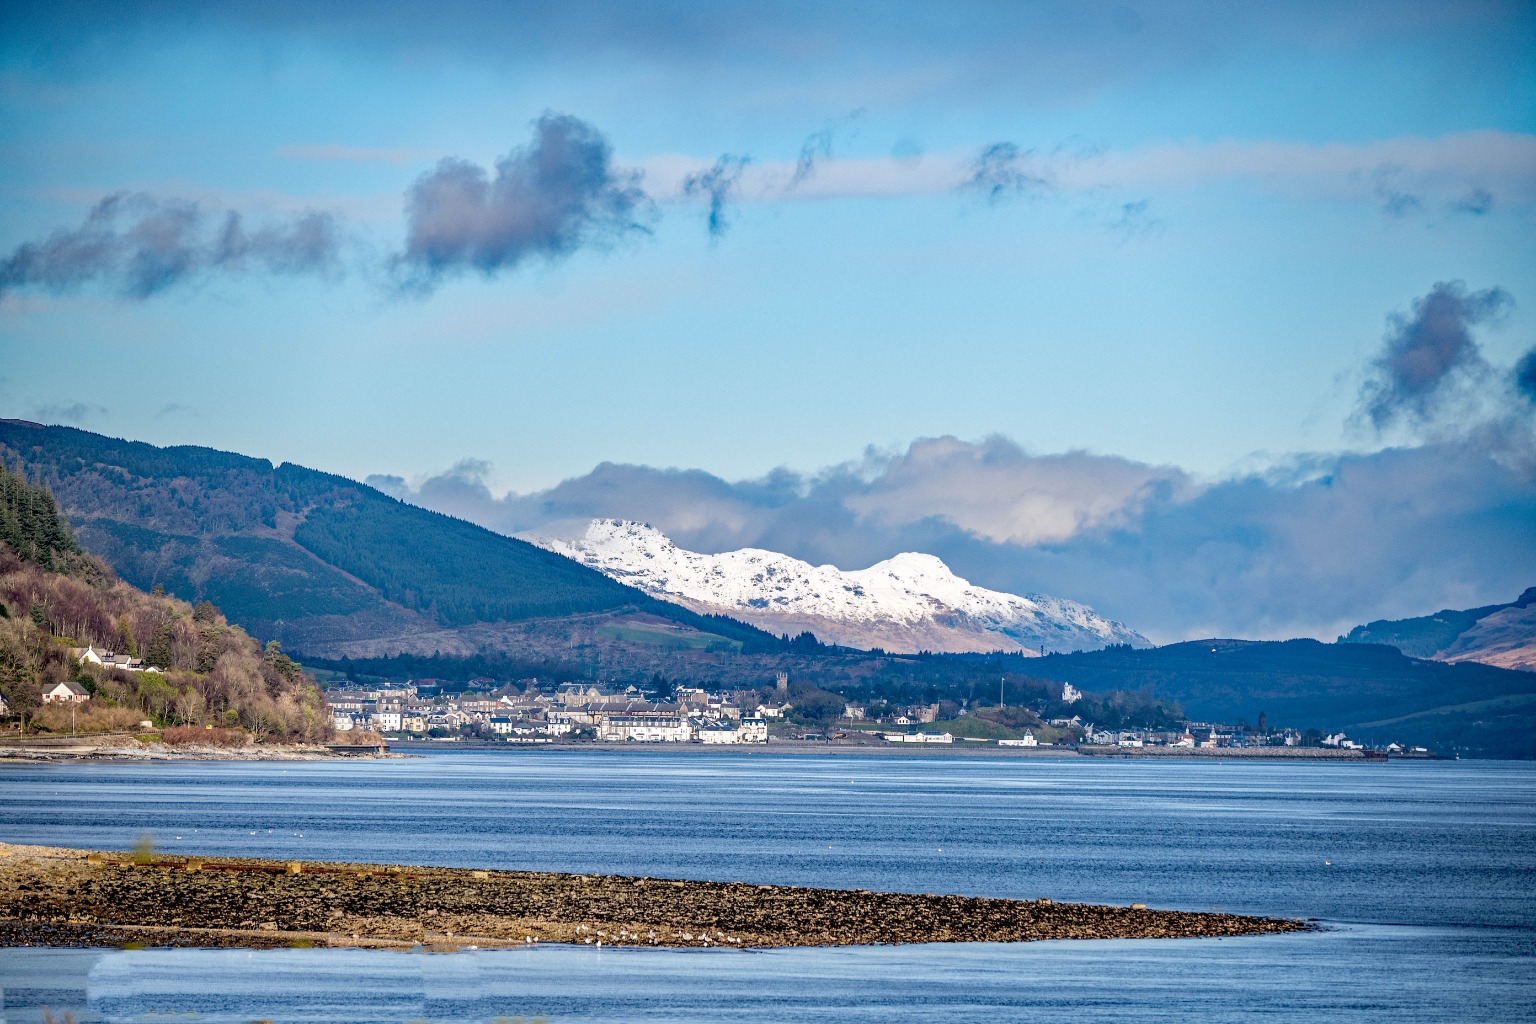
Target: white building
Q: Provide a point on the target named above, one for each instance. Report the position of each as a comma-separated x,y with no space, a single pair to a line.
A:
385,721
342,721
919,737
67,692
754,730
1070,694
718,732
93,655
644,729
1028,740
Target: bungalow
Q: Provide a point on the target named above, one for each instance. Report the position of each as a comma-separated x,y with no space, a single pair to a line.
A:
773,710
67,692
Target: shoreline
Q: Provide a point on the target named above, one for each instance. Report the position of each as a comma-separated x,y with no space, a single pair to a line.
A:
127,747
913,749
52,896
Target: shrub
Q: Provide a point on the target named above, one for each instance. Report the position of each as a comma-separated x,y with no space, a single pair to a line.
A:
181,735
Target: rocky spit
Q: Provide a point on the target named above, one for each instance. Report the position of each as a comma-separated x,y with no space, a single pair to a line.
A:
59,897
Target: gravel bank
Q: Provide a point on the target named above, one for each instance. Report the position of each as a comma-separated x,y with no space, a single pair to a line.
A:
52,896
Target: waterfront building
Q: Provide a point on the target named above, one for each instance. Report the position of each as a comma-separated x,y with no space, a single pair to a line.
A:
644,729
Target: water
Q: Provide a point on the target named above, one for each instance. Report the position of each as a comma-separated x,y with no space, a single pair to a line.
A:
1423,873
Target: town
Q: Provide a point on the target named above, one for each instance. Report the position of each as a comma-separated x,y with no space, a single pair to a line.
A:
532,712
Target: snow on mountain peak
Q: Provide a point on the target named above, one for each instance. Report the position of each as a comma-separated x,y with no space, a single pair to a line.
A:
911,601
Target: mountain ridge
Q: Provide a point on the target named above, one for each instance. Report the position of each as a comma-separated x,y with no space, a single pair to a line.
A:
1497,634
907,603
310,558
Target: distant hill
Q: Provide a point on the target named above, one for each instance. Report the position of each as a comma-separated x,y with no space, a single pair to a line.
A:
1369,690
1497,634
324,564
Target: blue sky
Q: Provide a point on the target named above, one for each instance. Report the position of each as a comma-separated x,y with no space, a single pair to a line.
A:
1189,260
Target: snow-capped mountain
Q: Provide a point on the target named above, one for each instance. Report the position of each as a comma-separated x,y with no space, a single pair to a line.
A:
911,602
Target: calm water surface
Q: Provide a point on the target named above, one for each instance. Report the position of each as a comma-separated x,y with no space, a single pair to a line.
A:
1424,874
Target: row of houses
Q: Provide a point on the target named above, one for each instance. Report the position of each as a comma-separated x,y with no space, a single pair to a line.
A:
692,716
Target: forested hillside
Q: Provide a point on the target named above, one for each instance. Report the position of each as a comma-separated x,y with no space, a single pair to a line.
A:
53,596
1369,689
315,560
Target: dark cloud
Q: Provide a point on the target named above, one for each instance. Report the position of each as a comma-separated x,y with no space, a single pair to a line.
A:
1525,376
142,245
1002,170
717,184
1429,358
547,199
1026,52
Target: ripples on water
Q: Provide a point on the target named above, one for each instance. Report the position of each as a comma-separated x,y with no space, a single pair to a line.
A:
1426,873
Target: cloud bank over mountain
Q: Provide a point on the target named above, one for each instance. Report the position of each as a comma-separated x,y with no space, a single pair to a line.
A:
1307,549
1310,546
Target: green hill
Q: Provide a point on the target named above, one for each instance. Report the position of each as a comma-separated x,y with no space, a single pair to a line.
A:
202,672
309,558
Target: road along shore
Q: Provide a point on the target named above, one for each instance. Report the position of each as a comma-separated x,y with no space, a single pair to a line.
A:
60,897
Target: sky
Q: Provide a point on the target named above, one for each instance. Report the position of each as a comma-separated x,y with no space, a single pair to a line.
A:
1214,316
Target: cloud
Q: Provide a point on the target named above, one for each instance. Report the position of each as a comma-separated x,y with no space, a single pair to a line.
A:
788,54
1429,355
1431,381
1136,220
817,148
1395,202
1478,202
142,245
1309,548
1525,376
717,183
331,151
1469,172
546,200
1001,170
69,412
996,491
